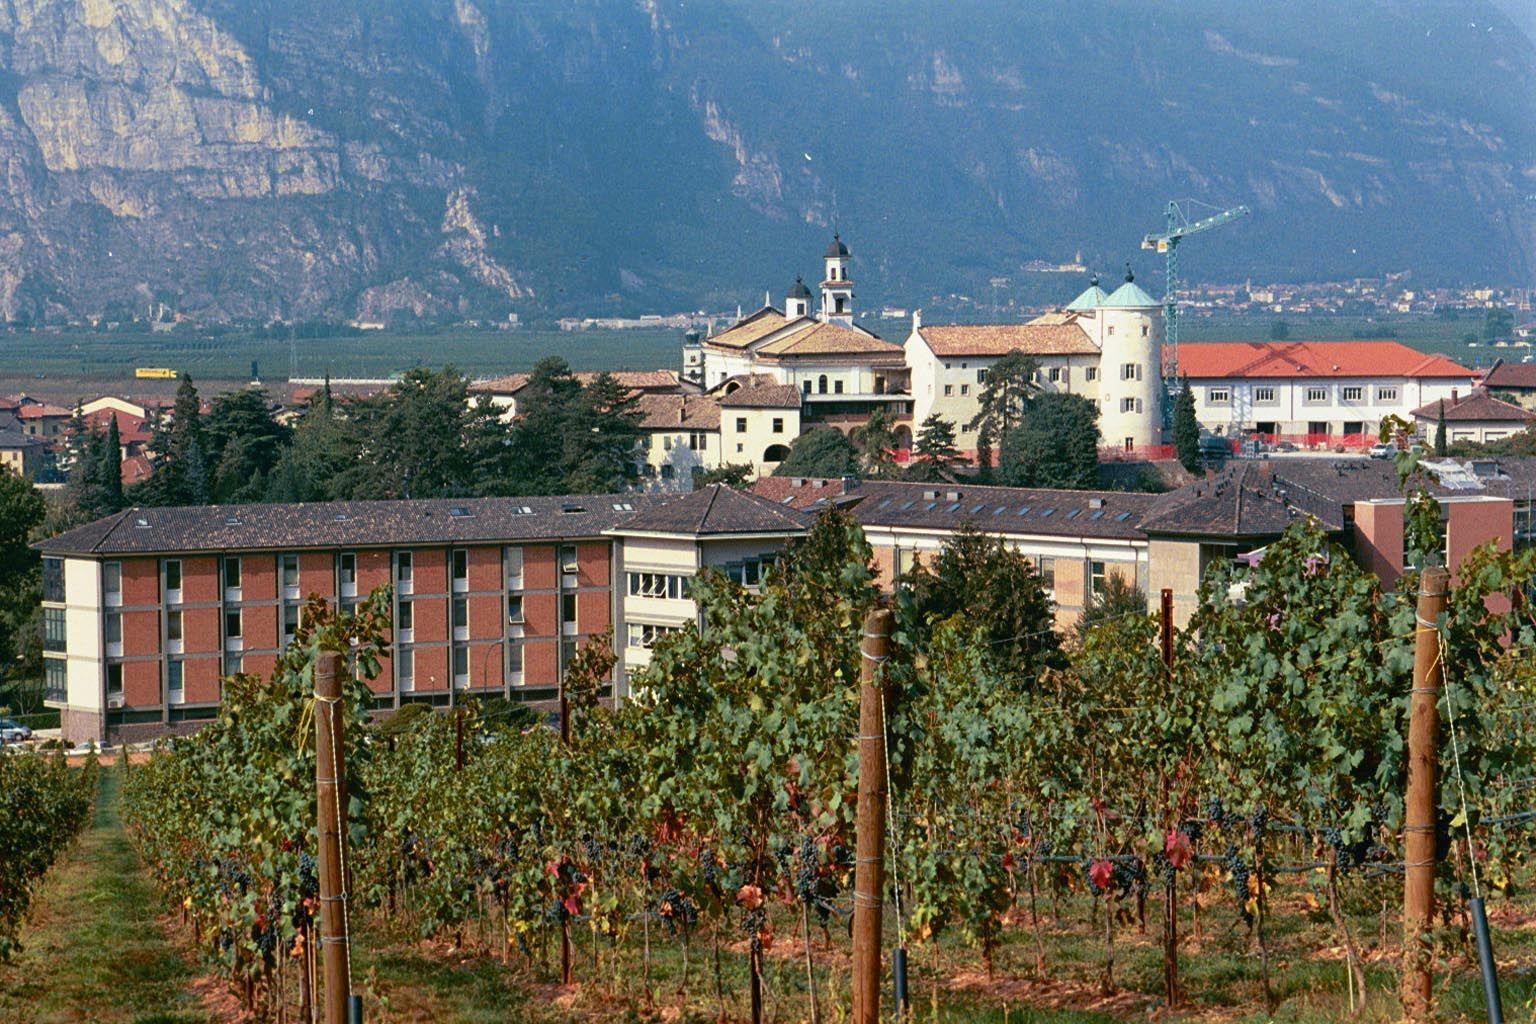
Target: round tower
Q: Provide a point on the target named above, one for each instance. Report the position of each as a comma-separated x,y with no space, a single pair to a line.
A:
836,288
1130,336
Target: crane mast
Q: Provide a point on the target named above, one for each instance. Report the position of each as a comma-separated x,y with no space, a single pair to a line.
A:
1179,225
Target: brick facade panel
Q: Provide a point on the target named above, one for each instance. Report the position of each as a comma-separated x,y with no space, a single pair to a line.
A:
258,578
141,581
539,567
141,684
200,631
486,662
429,616
592,611
485,614
429,570
317,575
541,663
594,564
384,682
485,568
373,569
259,626
200,580
200,680
260,665
541,614
141,633
432,668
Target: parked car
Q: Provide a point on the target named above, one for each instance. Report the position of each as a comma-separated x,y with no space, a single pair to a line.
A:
1384,450
12,731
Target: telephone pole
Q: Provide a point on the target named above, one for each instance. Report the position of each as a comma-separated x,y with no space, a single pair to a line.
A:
1419,817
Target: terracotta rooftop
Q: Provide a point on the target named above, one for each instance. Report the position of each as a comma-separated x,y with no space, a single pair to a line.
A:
131,429
1237,359
751,328
42,410
799,492
1477,407
1062,339
136,468
762,396
678,412
1511,375
825,338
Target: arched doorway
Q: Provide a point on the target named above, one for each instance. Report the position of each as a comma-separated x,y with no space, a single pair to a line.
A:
776,453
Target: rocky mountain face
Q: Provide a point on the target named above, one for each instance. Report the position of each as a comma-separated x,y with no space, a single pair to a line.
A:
250,159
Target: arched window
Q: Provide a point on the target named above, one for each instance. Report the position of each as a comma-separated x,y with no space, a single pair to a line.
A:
776,453
821,384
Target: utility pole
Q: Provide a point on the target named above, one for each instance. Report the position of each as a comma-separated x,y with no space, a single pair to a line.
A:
869,865
1170,880
331,814
1419,818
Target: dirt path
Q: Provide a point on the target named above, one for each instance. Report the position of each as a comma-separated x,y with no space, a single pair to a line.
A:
94,950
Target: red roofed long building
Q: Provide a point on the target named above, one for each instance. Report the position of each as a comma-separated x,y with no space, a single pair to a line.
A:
1315,393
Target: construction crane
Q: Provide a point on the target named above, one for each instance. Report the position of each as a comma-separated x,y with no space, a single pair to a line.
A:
1180,226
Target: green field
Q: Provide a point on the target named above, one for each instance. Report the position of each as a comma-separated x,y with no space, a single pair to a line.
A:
92,356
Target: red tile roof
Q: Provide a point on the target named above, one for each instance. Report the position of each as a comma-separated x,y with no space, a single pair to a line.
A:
1511,375
678,412
798,492
1219,359
1478,407
42,410
1001,339
136,468
131,429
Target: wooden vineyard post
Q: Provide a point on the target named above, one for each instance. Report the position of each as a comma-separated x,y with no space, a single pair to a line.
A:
868,871
331,822
1419,810
1170,880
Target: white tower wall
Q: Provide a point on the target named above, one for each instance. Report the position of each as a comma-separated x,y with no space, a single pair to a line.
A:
1130,376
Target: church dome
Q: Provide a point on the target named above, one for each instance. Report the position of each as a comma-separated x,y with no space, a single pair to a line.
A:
836,249
1091,298
798,290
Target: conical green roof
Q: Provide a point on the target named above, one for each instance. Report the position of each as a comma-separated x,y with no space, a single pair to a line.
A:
1130,296
1092,297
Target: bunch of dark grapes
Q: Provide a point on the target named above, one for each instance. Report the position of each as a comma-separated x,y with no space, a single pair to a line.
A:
1238,869
752,923
678,913
1194,828
1129,877
1259,821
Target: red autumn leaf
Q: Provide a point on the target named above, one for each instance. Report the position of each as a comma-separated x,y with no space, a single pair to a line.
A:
765,939
750,896
572,905
1100,873
1179,850
1008,862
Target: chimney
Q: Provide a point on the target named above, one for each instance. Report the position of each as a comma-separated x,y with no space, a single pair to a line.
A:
849,483
917,319
1453,396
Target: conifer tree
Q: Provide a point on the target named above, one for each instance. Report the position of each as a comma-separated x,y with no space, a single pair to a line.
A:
1186,431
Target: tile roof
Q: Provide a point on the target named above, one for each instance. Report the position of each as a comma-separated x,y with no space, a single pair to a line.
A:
334,524
42,410
826,338
131,429
716,510
799,492
762,396
678,412
751,328
1006,510
1064,339
1312,359
1511,375
634,380
1243,500
136,468
15,440
1477,407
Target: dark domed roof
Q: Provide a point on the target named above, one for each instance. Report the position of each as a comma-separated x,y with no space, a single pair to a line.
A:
836,247
798,290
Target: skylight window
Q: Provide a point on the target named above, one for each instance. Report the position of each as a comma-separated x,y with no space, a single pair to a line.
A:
1047,513
1097,514
521,510
930,506
908,505
1000,510
977,508
460,511
623,506
571,509
1122,517
1024,510
1074,513
952,507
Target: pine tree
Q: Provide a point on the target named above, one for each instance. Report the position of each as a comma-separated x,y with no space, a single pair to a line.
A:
876,440
935,456
1186,431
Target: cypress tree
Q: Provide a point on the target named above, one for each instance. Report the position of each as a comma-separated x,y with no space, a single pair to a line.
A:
109,467
1442,448
1186,431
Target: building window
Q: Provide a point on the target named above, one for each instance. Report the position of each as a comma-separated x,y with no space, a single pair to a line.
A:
1047,569
1111,330
1315,395
232,624
778,424
568,563
949,389
512,563
173,579
460,665
1386,394
837,387
981,375
290,623
112,582
405,571
405,616
53,579
644,635
965,389
1145,330
658,584
666,443
514,608
232,573
115,681
1218,396
460,569
347,570
821,384
567,610
698,441
1090,373
460,618
1130,371
114,629
175,681
741,424
1264,395
1127,405
806,386
54,632
233,663
1055,375
514,657
1130,444
1354,394
1095,578
405,667
748,572
173,626
55,679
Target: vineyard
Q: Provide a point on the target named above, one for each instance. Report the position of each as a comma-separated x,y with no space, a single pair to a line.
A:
1085,824
44,803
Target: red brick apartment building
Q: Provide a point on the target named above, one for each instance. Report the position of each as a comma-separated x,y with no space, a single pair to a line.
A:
146,610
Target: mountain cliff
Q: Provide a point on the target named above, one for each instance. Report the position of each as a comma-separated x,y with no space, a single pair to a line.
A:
249,159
